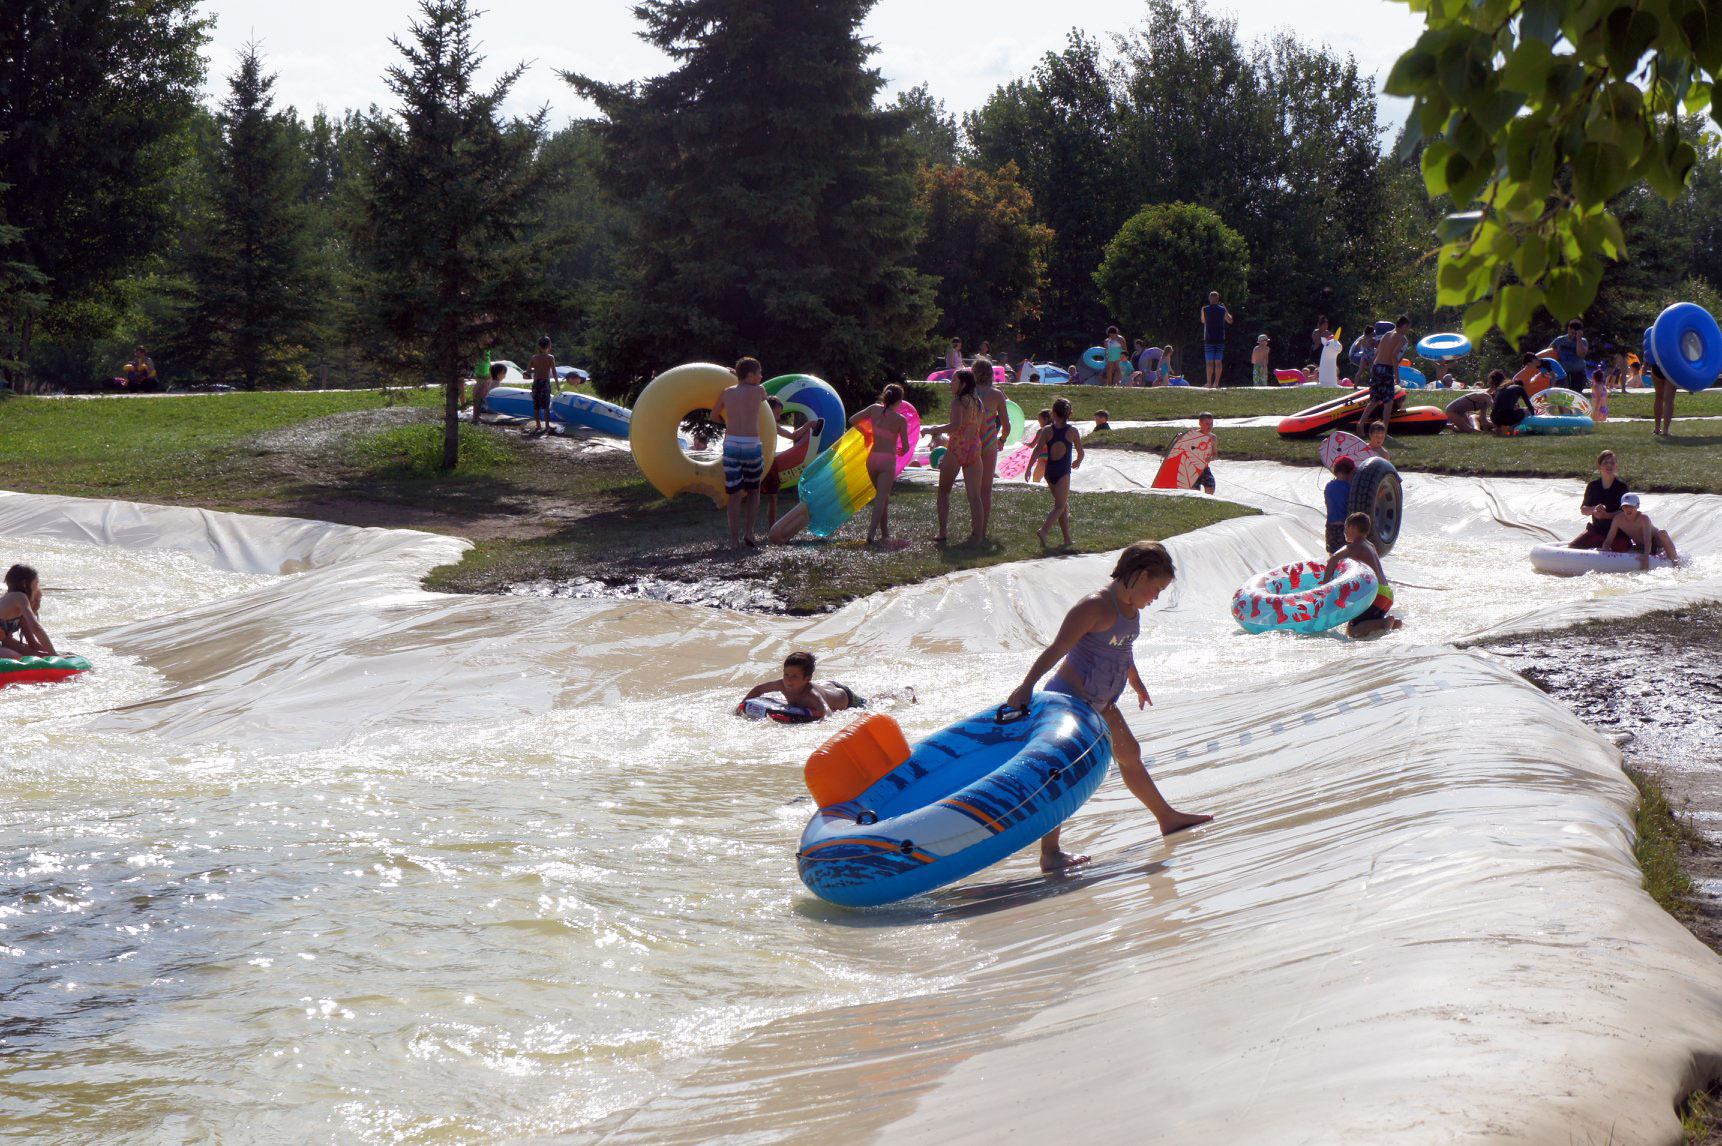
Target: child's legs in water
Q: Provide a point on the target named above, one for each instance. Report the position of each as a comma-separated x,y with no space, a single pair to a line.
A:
1128,753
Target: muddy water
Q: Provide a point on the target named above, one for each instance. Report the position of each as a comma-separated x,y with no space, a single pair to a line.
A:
380,865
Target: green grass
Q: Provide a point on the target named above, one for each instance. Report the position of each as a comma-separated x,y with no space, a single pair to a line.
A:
1688,462
416,451
152,448
640,535
1135,404
1662,838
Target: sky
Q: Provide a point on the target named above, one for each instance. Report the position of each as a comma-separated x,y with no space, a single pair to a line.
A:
331,53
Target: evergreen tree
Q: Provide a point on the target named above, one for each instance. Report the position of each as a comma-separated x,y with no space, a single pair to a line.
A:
772,204
20,288
255,294
932,131
445,240
92,93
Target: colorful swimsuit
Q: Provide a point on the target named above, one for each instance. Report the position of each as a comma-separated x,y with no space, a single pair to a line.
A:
1098,668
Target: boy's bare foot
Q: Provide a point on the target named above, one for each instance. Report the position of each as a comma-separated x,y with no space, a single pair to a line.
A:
1040,534
1061,861
1178,821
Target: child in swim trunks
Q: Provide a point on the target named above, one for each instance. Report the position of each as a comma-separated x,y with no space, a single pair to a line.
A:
1358,547
1094,652
21,634
1629,531
743,453
543,369
1205,425
802,691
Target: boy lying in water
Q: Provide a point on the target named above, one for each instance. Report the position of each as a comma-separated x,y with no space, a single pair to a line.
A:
800,690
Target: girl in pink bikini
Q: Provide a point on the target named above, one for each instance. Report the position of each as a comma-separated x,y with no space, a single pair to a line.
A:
964,430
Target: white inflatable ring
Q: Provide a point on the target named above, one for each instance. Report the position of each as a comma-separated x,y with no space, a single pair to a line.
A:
662,405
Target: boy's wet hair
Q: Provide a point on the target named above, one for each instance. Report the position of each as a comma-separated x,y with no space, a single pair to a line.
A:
775,403
1372,427
1045,415
1061,408
1143,557
802,661
498,370
544,343
746,366
1344,468
1496,377
1402,320
1362,521
19,578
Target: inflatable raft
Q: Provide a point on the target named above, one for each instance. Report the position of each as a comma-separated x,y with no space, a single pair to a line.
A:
894,822
1347,408
1564,562
41,670
567,408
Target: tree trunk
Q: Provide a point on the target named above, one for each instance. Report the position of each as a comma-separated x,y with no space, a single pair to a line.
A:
453,391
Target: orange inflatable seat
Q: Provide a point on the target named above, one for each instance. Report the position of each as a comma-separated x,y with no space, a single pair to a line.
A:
853,760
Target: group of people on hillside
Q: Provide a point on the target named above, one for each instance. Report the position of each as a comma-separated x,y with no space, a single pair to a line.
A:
978,429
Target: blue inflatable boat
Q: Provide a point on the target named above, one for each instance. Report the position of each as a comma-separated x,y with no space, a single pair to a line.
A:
965,797
569,408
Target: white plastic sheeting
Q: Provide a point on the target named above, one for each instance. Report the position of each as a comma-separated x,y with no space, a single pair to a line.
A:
1417,917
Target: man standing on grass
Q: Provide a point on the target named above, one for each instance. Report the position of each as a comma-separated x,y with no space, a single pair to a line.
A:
1215,318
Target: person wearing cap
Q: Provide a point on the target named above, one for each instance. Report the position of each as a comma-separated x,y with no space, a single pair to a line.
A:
1259,362
1601,503
1632,531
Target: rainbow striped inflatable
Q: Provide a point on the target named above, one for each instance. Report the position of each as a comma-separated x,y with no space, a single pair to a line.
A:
835,486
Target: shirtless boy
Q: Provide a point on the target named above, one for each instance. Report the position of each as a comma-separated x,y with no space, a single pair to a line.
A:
743,453
799,689
1632,531
542,368
1357,547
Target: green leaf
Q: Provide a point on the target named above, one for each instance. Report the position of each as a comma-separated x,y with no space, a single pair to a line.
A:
1567,292
1540,20
1434,164
1413,72
1532,258
1527,69
1614,239
1479,320
1630,32
1454,228
1514,304
1599,172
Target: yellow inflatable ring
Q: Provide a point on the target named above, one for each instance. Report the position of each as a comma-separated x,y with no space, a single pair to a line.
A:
659,411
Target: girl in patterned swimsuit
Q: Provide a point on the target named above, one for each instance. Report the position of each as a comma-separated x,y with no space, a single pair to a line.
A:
964,429
1059,440
1096,644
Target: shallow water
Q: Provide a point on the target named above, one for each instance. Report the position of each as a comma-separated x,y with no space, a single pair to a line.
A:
382,865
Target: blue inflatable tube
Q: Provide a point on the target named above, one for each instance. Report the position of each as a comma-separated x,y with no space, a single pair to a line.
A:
1412,378
1095,358
1686,343
1440,347
1552,367
1555,424
967,797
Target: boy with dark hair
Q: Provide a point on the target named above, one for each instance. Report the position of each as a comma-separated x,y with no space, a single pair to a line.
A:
1358,548
743,453
543,369
800,690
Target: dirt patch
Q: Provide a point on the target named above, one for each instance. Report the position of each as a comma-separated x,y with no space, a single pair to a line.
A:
1650,685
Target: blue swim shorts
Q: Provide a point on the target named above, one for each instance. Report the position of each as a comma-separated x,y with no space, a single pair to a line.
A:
743,463
1214,351
1205,479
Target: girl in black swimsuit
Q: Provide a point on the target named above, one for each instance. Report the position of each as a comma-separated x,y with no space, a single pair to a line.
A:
1058,441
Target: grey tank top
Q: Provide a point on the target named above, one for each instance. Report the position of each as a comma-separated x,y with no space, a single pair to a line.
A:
1099,666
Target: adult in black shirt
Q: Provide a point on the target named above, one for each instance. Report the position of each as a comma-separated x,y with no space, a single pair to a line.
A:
1601,502
1511,407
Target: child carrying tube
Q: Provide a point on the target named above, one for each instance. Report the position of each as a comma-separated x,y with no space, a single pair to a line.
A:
1095,654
